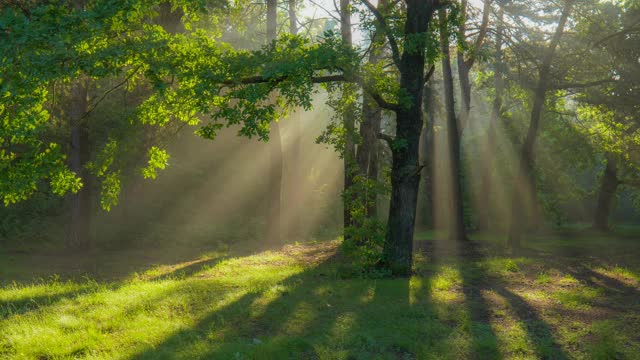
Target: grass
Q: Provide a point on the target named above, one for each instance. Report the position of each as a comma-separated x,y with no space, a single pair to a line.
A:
295,303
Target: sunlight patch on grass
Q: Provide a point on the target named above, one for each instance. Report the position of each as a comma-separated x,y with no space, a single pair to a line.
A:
578,299
624,274
504,267
543,278
514,339
446,278
568,280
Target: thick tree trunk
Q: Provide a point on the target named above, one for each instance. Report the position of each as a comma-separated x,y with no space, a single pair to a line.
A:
606,195
525,180
79,232
457,231
405,172
486,186
348,120
275,150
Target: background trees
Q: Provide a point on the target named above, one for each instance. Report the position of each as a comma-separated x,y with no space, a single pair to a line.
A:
528,84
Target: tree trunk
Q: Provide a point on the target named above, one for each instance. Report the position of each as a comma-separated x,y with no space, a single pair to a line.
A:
428,149
275,150
405,172
525,180
348,120
465,92
606,195
170,19
367,155
79,232
457,231
296,169
492,135
465,64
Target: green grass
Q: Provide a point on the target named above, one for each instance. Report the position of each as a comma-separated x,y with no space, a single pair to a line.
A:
295,304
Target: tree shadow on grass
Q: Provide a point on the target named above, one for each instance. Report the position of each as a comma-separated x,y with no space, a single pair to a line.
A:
24,305
284,320
49,295
476,280
314,314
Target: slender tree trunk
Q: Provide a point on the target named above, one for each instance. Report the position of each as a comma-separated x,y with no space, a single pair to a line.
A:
296,168
457,230
275,149
367,155
492,135
348,120
80,225
465,92
428,150
465,64
525,180
606,195
79,232
405,171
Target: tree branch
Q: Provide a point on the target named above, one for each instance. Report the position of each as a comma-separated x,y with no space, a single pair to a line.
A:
395,50
95,105
320,80
582,85
482,34
429,74
388,138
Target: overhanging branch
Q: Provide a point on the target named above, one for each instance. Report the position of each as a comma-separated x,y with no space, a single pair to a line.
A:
320,80
583,85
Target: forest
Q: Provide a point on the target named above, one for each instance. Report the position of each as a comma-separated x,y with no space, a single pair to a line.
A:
319,179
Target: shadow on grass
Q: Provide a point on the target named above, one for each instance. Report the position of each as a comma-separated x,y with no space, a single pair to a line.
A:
49,296
310,315
302,308
24,305
475,281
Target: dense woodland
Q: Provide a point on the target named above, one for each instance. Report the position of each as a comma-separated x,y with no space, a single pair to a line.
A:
450,152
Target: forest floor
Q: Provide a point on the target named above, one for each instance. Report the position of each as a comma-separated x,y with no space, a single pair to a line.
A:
569,296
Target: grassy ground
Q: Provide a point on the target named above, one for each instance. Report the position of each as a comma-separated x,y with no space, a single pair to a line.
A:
567,297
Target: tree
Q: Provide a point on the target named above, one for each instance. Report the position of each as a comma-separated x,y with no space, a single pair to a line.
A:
367,155
457,231
610,109
405,171
275,148
525,181
348,119
496,116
